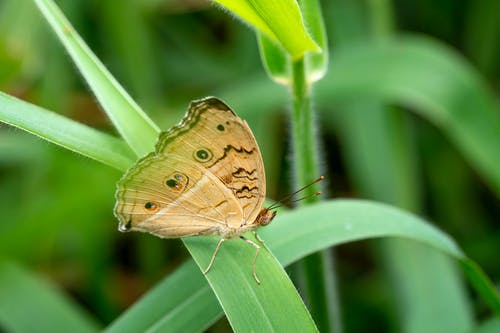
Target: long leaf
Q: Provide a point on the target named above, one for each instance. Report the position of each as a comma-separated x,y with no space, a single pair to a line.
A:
132,123
65,132
292,236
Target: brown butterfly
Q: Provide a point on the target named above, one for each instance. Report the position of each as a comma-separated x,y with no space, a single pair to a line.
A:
205,177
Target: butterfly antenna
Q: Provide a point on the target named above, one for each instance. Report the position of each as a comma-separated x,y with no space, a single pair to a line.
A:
280,202
307,196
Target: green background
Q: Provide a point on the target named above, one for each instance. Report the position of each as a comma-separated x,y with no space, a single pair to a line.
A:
404,116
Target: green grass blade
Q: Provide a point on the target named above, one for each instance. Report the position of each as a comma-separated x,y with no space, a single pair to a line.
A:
48,309
340,221
132,123
423,74
65,132
272,306
248,306
292,236
280,20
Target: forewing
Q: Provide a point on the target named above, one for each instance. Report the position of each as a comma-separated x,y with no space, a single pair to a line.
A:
212,136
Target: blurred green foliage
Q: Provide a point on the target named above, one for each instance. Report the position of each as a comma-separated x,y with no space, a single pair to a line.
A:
56,207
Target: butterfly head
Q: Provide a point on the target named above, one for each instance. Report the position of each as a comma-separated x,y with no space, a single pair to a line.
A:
265,217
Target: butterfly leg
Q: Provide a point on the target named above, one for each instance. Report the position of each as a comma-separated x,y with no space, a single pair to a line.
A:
213,256
257,237
257,247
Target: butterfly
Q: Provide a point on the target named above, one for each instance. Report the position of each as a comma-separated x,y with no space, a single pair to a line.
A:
205,177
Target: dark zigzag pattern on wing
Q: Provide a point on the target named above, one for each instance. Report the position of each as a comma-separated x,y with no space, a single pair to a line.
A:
227,149
239,192
242,173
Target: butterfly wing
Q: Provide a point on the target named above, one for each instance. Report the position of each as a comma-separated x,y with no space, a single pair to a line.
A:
205,177
172,197
213,136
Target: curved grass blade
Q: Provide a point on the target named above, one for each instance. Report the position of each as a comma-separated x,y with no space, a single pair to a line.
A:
292,236
65,132
132,123
251,307
339,221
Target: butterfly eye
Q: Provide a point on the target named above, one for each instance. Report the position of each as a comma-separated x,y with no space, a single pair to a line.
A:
151,206
203,155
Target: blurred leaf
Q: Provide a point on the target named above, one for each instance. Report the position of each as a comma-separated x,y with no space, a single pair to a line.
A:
382,161
124,26
489,326
132,123
19,28
433,81
10,65
416,272
166,307
65,132
29,304
18,148
280,20
482,34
